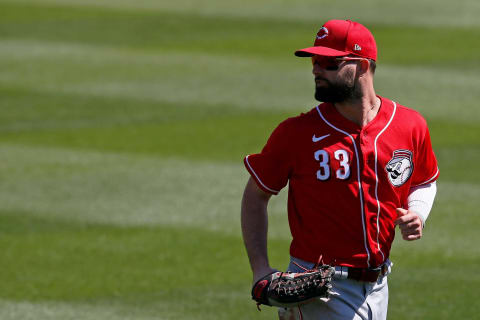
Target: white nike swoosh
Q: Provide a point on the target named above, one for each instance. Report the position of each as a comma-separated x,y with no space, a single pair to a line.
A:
315,139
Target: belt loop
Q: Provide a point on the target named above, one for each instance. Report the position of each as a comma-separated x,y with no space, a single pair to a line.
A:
341,272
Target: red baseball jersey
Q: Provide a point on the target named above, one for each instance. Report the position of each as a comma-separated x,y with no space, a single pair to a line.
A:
345,181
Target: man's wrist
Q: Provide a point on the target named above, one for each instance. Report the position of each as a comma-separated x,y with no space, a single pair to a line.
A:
262,272
415,211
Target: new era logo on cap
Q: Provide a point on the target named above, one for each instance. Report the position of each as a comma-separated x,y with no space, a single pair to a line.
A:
339,38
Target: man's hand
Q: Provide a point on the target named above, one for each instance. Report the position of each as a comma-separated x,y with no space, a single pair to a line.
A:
410,224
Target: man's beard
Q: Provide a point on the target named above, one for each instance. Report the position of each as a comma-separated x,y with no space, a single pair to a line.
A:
337,92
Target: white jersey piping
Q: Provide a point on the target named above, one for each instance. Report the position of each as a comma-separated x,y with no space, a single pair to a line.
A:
429,180
376,178
258,179
360,189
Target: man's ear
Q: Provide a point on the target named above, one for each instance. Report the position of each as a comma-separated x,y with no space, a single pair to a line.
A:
364,66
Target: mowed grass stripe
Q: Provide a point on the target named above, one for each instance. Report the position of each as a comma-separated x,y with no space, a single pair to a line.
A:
56,310
408,12
225,142
426,276
226,35
203,304
125,190
163,78
44,111
71,263
213,80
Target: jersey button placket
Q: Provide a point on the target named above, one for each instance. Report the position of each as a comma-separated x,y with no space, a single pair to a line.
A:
364,136
365,147
365,150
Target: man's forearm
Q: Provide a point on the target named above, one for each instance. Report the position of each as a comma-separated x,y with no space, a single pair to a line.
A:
254,220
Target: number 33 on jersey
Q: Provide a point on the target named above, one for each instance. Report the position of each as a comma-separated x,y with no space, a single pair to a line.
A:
342,158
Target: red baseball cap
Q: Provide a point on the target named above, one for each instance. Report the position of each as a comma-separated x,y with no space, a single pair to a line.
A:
339,38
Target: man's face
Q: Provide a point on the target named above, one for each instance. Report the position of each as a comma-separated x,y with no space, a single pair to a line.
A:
335,80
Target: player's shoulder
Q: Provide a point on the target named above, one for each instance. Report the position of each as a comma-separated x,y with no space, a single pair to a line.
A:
409,117
300,121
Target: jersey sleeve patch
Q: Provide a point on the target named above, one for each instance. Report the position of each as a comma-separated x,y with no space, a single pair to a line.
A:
400,167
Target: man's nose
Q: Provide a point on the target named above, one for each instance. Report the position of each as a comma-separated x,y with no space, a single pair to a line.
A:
317,69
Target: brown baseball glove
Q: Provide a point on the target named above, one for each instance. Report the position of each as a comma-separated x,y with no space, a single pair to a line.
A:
288,289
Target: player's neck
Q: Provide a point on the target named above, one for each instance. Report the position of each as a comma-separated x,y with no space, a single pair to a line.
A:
361,111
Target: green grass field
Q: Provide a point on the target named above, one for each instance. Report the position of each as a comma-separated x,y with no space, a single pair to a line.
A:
123,126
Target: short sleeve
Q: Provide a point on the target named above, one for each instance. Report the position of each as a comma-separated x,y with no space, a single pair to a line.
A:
425,166
272,167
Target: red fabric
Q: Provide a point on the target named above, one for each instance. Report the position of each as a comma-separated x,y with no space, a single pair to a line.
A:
340,38
329,214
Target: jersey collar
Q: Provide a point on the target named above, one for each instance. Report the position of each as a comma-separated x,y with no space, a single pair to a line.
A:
331,114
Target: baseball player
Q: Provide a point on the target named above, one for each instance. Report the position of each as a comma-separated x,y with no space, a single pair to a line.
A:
357,166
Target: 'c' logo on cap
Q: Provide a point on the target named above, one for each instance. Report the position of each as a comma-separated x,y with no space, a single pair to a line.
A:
322,33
